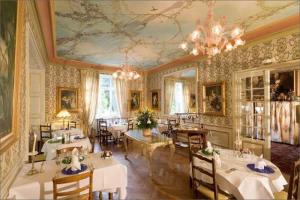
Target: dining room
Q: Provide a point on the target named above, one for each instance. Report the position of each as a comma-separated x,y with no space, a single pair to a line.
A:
149,99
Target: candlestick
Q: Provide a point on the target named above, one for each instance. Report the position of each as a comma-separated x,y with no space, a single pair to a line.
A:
32,154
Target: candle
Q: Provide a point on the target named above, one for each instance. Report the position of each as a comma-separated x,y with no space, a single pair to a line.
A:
34,142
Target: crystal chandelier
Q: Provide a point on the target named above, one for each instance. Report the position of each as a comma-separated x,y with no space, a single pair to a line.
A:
212,36
125,73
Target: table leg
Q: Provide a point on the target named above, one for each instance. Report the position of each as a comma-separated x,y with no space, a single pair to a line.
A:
172,151
149,157
110,195
126,147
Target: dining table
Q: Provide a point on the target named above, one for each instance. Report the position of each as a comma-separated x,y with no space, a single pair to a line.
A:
108,176
149,144
50,146
235,176
117,129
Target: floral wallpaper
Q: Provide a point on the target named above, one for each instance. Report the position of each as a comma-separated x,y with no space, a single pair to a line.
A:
284,46
60,76
10,159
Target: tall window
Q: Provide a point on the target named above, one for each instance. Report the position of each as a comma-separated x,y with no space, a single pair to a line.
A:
107,101
178,101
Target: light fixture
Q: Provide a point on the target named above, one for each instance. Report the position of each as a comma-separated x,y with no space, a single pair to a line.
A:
212,36
125,73
63,114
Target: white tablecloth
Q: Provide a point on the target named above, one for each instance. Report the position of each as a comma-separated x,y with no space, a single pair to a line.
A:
72,132
244,183
109,176
49,149
117,129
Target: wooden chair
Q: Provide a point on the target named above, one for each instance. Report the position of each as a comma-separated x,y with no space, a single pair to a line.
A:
67,149
72,124
45,134
75,193
105,135
195,142
293,184
130,125
92,137
210,191
170,131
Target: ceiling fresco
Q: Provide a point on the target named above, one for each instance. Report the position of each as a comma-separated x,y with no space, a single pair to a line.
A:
99,32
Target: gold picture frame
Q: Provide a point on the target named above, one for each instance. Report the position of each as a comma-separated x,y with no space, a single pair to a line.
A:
135,100
155,99
10,133
67,98
213,98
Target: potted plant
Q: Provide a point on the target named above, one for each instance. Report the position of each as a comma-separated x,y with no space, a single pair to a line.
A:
145,121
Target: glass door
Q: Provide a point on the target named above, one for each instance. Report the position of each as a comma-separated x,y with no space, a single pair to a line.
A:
251,116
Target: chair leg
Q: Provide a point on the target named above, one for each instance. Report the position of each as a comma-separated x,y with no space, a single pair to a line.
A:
100,195
110,195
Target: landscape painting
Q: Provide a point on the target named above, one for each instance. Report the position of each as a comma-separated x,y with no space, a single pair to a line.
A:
8,22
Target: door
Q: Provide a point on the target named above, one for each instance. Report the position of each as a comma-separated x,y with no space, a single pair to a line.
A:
252,111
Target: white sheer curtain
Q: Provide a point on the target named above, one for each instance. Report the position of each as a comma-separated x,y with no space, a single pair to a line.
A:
186,95
89,88
169,94
122,96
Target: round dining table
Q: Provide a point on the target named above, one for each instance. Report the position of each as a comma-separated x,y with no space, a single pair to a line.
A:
235,177
117,129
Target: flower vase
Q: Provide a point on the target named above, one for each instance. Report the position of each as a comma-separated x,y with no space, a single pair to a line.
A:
147,132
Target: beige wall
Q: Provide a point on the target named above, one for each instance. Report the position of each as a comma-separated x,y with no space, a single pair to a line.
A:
60,76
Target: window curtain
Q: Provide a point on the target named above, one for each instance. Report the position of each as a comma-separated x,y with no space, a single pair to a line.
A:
169,94
121,87
283,122
186,95
89,88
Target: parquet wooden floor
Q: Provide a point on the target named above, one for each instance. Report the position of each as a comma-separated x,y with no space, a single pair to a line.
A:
166,183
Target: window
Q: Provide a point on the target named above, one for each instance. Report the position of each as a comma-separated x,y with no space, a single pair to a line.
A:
178,101
107,100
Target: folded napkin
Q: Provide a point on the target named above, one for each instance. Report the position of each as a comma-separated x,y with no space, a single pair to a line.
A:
209,148
260,163
75,164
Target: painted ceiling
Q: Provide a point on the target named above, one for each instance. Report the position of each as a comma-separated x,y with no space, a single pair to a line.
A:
99,32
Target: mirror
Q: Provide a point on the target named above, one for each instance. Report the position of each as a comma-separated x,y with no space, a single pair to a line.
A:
180,92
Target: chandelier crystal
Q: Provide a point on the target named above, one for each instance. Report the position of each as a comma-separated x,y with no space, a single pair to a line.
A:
125,73
213,36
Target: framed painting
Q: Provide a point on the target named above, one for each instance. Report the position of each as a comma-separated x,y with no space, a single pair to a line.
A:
11,40
67,99
213,99
135,100
155,99
282,86
192,101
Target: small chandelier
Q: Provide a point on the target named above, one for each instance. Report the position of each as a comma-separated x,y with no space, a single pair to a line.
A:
125,73
212,36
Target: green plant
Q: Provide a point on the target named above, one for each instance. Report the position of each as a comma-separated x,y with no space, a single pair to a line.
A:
145,119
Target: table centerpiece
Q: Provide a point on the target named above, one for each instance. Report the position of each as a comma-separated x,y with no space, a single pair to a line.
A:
145,121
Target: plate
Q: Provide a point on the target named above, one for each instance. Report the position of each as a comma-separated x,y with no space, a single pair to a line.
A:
70,172
266,170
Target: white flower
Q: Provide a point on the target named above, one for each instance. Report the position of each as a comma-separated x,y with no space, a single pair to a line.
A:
209,149
139,123
148,122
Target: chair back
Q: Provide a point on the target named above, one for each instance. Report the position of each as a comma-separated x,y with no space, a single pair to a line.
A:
92,137
102,126
67,149
130,125
195,142
75,193
294,181
72,124
197,170
45,132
